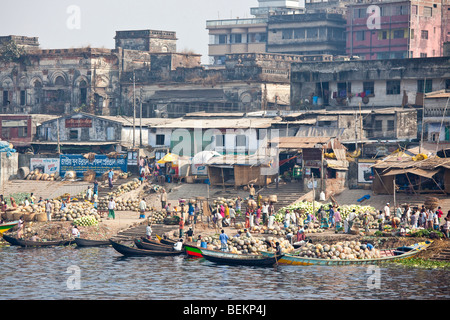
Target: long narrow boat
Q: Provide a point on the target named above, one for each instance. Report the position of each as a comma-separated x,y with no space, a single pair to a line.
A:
11,240
7,226
155,242
140,244
194,251
239,259
388,255
130,251
29,243
168,241
91,243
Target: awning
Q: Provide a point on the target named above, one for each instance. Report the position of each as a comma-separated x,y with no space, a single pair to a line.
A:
420,172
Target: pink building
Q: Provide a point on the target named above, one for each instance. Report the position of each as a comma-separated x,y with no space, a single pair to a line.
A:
395,29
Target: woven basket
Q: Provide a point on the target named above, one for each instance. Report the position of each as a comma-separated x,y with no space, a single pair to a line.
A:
29,217
41,217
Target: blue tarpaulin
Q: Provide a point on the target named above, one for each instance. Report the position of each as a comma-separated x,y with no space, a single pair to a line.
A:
5,147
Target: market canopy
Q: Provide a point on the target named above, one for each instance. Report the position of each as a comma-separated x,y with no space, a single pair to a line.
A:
423,173
170,157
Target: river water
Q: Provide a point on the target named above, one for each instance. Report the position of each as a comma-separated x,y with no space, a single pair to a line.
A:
66,273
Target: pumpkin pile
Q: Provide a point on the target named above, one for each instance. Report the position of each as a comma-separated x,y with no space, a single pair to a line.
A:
346,250
76,210
38,175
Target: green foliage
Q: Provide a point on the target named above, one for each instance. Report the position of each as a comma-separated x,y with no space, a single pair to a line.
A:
423,263
10,52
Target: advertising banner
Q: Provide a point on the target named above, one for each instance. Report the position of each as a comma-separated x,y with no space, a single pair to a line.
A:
45,165
100,164
365,172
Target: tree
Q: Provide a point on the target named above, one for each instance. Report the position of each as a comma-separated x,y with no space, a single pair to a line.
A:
11,52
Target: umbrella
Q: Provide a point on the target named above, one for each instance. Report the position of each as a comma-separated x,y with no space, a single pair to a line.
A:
168,158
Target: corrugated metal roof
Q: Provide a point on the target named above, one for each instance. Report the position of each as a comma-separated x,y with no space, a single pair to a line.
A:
242,123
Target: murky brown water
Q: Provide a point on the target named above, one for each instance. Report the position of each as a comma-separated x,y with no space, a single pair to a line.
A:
104,274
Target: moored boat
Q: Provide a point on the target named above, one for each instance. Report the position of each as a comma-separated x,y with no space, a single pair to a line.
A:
404,252
11,240
29,243
91,243
193,251
7,226
239,259
140,244
168,241
131,251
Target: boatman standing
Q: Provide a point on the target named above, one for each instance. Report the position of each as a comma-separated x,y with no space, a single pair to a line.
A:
223,241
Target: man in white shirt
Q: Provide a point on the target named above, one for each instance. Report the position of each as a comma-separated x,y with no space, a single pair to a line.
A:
48,210
265,213
142,208
178,246
351,219
149,231
387,212
111,207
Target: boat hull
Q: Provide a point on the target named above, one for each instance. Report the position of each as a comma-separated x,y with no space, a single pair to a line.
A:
91,243
193,251
7,226
140,244
236,259
129,251
396,255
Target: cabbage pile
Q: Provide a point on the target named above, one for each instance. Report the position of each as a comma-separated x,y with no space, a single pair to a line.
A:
307,207
86,221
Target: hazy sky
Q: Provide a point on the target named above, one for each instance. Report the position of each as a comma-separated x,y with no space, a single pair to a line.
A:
56,22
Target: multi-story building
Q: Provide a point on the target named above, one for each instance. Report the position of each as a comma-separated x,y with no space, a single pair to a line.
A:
395,29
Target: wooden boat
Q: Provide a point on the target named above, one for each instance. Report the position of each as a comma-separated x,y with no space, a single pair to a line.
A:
239,259
388,255
91,243
144,239
11,240
130,251
29,243
7,226
140,244
168,241
194,251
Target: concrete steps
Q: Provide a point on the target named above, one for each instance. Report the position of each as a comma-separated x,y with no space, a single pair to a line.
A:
444,255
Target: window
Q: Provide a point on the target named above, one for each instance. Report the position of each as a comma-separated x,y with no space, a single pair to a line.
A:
411,35
110,133
73,135
299,33
423,55
59,81
222,39
360,35
160,139
425,85
399,34
447,83
390,125
287,34
383,35
392,87
414,9
5,98
257,37
220,141
6,133
400,10
236,38
427,11
241,141
22,132
369,87
378,125
360,13
344,88
23,98
424,34
312,33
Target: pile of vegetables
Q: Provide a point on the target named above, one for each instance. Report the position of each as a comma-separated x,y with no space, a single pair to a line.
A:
75,210
306,208
86,221
121,205
124,188
347,250
249,245
157,217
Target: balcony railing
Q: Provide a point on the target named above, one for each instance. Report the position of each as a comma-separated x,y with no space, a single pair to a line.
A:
230,22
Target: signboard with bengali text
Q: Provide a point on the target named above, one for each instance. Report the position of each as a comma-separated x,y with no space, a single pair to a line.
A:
100,164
